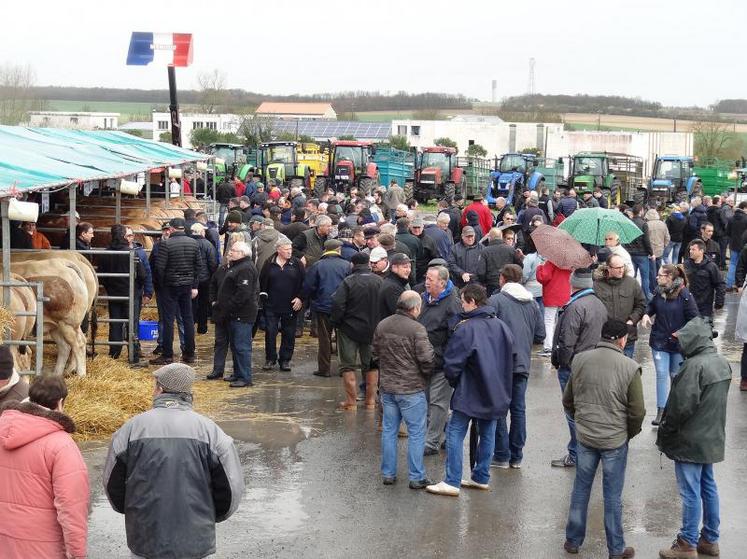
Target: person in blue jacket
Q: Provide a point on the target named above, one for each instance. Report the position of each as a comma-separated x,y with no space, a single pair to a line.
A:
671,307
478,363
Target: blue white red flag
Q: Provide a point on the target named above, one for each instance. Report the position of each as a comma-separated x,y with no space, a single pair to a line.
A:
173,49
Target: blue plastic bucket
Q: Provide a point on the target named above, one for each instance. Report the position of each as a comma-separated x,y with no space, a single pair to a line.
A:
148,330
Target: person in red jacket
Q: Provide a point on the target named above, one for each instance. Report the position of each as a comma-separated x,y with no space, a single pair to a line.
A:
482,211
44,486
556,292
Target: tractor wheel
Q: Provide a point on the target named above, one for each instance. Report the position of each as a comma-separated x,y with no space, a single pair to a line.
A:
697,190
449,190
640,196
615,196
320,184
366,184
409,190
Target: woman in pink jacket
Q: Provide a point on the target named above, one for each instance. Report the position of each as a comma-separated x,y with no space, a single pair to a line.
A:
44,481
556,292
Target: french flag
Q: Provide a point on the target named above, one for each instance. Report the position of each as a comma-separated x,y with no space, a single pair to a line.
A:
174,49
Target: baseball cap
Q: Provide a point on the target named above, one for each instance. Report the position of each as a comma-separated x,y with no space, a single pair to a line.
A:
437,262
377,254
175,377
177,223
257,219
416,222
234,217
468,230
197,228
332,244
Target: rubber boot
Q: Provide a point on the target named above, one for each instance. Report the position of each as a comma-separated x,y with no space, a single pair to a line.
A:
349,384
659,413
372,387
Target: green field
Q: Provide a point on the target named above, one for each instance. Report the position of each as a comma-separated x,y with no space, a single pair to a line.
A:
126,110
382,117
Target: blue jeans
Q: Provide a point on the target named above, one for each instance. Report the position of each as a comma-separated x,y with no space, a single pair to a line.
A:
731,275
672,253
179,323
699,493
641,263
629,349
667,365
614,462
240,336
413,409
563,376
653,270
541,305
177,301
456,431
509,444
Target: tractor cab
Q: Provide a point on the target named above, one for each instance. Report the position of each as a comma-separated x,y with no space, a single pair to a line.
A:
351,164
229,158
435,165
588,171
279,161
674,178
511,177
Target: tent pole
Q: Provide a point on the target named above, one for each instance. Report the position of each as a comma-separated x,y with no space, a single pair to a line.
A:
72,220
147,193
6,254
118,204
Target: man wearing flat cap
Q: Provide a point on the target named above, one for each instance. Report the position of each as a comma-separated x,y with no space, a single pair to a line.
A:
155,455
605,396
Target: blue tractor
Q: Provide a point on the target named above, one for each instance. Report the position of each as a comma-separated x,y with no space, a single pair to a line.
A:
674,179
515,173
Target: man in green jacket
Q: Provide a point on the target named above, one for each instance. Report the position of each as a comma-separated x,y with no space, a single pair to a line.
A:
604,395
692,433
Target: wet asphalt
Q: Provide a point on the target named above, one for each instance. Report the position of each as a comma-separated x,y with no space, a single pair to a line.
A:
314,489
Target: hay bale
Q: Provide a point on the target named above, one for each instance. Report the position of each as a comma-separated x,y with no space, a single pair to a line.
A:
112,392
6,320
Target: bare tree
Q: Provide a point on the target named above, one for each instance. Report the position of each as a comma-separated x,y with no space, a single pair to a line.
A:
256,130
16,93
714,140
212,90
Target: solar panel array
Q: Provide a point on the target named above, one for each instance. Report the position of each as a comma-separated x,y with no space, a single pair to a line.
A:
326,129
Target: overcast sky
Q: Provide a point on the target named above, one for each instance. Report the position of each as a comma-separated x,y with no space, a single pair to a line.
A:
675,52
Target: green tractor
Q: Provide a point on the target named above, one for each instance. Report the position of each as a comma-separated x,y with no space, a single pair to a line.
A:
279,161
620,176
231,160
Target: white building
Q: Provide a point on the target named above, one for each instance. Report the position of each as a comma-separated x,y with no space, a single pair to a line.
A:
646,145
307,111
218,122
76,120
492,133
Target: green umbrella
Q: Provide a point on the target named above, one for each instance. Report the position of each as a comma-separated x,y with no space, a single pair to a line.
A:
589,225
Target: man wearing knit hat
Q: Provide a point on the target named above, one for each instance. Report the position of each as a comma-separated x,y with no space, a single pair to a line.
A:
605,396
579,328
154,454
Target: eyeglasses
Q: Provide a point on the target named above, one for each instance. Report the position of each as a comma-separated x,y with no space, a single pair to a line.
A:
662,275
609,238
617,267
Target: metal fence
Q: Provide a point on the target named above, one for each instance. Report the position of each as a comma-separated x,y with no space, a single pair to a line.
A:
38,340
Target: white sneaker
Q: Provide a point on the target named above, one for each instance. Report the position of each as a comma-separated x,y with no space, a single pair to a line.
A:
471,484
443,488
501,465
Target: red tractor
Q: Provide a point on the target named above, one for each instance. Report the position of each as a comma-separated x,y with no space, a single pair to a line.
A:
350,164
437,174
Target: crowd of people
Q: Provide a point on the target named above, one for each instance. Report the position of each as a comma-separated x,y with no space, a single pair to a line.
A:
434,320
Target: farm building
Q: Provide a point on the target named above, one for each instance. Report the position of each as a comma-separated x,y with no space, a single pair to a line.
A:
314,111
75,120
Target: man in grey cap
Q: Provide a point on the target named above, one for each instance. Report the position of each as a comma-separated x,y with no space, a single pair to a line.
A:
255,224
153,456
464,257
579,328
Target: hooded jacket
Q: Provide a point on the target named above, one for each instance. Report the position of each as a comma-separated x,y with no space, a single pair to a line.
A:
698,215
622,297
322,280
658,234
516,307
693,426
44,485
264,245
556,284
676,223
483,213
479,364
579,327
173,473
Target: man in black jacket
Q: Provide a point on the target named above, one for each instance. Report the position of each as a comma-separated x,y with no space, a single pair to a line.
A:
735,231
496,255
641,252
119,286
209,264
223,193
178,270
235,310
704,280
394,283
355,314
